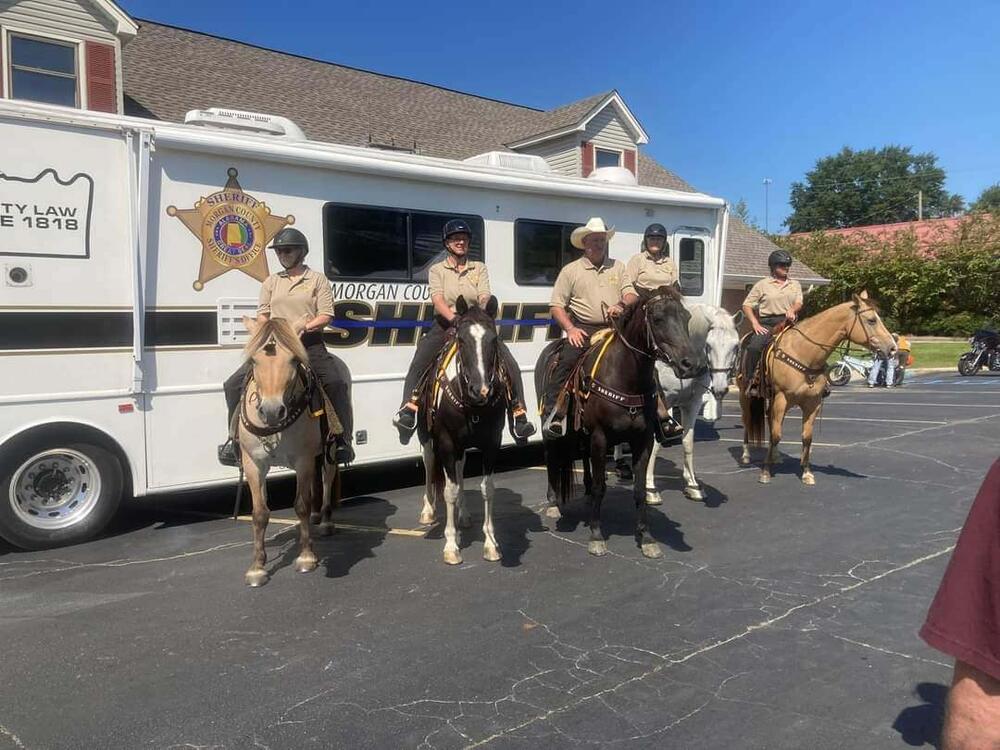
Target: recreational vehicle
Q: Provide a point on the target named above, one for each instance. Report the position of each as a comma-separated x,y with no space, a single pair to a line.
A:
131,248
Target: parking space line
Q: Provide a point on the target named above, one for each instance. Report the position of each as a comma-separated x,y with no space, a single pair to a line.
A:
838,402
789,442
352,526
855,419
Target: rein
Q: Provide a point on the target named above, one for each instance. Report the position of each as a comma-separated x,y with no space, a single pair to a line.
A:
812,373
456,400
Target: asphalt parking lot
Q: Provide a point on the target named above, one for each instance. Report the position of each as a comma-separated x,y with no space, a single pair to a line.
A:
780,616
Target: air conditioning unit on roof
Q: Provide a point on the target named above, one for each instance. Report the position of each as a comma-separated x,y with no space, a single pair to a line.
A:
510,160
251,122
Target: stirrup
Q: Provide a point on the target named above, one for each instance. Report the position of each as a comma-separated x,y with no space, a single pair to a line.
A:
405,421
555,425
228,453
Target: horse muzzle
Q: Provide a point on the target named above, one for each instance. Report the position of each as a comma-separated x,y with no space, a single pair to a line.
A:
479,396
272,411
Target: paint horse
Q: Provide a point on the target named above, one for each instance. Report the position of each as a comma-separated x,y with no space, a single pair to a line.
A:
278,427
795,367
466,407
618,405
712,330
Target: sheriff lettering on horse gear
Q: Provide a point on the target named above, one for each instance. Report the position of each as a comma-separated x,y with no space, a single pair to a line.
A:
293,294
456,276
769,303
584,289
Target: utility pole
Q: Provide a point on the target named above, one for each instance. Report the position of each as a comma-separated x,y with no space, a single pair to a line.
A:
920,205
767,223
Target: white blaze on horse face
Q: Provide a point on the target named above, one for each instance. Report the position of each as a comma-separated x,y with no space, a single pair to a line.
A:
477,332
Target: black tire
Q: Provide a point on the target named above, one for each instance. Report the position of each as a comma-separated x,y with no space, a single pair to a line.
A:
966,366
840,374
53,463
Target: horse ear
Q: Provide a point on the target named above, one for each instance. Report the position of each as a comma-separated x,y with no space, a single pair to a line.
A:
250,324
864,294
461,306
737,317
491,306
856,299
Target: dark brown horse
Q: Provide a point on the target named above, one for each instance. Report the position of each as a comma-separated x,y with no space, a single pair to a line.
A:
469,404
619,405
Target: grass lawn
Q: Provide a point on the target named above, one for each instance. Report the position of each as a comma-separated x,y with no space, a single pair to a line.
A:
926,353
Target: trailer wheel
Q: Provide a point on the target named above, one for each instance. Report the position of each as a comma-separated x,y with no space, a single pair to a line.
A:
56,492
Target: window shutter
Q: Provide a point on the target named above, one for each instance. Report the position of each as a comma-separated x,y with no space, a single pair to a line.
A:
587,151
102,93
630,162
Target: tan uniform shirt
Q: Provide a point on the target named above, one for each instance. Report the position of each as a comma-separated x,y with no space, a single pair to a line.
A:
581,288
472,281
773,297
647,272
308,293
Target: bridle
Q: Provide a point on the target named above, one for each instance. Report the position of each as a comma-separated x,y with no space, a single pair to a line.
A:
655,351
457,399
298,392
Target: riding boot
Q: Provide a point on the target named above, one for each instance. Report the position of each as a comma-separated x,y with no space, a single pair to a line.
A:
229,451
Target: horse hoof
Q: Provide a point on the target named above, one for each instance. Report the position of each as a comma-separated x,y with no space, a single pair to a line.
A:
694,493
598,549
426,518
553,512
764,479
326,528
256,578
653,498
491,554
452,557
305,564
808,479
314,518
652,550
744,460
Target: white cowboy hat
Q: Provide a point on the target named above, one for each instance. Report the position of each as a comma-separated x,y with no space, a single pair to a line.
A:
594,225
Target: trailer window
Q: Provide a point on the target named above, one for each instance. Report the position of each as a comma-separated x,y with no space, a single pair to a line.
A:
43,71
388,244
541,249
691,261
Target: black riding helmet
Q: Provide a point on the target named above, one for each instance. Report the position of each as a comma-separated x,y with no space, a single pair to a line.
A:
779,258
455,226
289,237
656,230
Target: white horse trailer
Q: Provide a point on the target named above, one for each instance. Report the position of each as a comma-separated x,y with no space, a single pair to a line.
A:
131,248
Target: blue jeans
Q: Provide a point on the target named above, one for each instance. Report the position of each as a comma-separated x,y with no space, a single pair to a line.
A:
890,370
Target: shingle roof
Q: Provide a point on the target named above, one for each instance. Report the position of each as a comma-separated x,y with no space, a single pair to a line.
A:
168,71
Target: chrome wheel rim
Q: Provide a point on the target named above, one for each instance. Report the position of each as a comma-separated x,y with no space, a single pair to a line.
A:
55,489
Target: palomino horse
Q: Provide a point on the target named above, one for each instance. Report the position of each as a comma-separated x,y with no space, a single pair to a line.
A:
469,406
619,405
277,428
796,367
713,331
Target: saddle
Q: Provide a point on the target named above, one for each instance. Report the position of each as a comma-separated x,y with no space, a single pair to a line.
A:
757,374
582,381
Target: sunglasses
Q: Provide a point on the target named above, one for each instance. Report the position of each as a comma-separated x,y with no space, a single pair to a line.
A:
287,249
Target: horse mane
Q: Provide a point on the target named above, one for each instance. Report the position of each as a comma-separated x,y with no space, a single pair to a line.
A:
282,332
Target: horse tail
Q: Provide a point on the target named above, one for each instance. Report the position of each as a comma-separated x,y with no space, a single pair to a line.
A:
753,419
437,481
566,477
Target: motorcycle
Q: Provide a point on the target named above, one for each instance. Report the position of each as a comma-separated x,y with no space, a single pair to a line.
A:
840,372
985,353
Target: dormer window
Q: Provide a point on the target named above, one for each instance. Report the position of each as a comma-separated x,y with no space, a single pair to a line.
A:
44,70
607,158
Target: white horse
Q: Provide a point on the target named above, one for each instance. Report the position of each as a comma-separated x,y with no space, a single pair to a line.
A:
714,329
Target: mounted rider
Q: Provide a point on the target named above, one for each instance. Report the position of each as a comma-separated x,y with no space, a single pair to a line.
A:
650,269
456,276
584,289
295,293
771,301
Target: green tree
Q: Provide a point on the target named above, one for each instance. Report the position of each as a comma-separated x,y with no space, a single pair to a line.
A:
858,188
988,200
741,212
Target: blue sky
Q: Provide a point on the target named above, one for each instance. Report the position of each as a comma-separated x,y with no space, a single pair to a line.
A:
729,92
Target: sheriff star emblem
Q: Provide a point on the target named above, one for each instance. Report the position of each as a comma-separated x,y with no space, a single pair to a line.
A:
234,228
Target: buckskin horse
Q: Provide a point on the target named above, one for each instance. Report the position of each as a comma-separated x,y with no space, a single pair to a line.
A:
464,406
795,367
713,330
277,426
617,405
